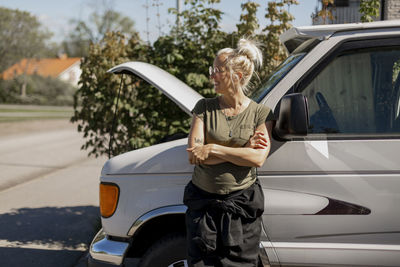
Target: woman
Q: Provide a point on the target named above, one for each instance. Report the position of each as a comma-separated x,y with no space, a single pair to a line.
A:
228,139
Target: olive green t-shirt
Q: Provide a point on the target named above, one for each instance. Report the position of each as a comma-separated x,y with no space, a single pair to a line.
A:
232,131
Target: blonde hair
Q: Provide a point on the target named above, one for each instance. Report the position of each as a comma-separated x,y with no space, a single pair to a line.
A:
245,59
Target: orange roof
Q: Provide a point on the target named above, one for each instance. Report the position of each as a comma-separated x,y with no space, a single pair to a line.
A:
43,67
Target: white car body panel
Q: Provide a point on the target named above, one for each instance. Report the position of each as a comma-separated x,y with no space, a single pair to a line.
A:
170,157
141,193
144,171
325,31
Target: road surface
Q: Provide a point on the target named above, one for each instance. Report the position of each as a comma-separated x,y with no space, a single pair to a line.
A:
48,194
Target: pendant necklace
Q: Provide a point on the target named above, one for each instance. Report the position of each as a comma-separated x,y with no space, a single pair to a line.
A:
229,126
227,118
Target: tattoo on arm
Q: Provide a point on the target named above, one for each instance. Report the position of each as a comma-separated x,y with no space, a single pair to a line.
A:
198,141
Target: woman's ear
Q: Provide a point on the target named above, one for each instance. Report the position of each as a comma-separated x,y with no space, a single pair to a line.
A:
239,76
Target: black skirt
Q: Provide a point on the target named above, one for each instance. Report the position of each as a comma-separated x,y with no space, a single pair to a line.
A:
223,230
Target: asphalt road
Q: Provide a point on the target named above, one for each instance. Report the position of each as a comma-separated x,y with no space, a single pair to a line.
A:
48,194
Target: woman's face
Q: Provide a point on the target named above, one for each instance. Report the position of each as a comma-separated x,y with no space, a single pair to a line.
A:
221,77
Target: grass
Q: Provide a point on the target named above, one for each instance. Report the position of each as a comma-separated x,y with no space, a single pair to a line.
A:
2,110
11,113
17,119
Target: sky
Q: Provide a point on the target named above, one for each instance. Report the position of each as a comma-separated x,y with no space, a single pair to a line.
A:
56,15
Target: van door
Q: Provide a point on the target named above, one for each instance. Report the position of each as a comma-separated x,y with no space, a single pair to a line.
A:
334,196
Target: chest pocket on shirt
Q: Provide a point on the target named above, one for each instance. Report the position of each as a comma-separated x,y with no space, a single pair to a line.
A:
246,131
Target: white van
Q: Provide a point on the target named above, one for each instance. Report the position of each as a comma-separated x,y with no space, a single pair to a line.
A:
331,181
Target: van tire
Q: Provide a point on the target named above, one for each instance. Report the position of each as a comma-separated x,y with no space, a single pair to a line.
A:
166,251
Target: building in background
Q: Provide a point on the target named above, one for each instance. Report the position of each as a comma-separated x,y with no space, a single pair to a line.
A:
347,11
390,9
63,68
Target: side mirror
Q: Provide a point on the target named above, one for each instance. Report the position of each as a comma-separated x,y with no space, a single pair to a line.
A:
293,117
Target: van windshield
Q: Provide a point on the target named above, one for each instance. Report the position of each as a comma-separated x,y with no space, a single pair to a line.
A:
258,94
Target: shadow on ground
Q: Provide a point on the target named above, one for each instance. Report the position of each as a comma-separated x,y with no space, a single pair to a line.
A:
19,257
61,229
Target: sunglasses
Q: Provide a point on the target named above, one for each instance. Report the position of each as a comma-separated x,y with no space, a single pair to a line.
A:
214,70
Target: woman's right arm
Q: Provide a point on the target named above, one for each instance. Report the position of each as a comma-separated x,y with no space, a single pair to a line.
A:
196,135
196,138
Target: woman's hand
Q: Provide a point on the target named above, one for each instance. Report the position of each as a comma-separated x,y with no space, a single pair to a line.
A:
257,141
199,153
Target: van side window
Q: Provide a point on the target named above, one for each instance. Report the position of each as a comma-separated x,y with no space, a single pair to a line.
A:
357,93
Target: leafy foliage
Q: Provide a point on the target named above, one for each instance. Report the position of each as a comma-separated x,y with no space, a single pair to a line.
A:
280,21
39,91
98,91
21,36
249,22
369,10
100,22
144,115
326,11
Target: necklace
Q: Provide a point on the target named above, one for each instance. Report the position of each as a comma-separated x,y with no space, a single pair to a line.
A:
228,118
227,122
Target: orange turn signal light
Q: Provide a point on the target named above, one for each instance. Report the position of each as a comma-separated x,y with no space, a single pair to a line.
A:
109,194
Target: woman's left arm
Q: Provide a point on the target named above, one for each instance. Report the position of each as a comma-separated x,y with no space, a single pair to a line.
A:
242,156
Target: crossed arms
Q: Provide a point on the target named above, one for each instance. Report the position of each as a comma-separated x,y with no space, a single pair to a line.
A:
253,154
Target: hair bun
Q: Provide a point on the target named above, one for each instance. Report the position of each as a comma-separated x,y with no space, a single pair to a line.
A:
250,49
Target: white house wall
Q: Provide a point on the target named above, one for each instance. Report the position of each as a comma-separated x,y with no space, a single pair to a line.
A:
72,74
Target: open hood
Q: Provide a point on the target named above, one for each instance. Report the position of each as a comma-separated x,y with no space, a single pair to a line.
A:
183,95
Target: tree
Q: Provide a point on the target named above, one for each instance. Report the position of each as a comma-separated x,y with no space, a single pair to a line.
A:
325,12
21,36
249,22
98,92
100,22
274,52
39,91
145,116
369,10
192,47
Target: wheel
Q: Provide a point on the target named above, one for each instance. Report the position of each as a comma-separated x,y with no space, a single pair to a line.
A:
169,251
